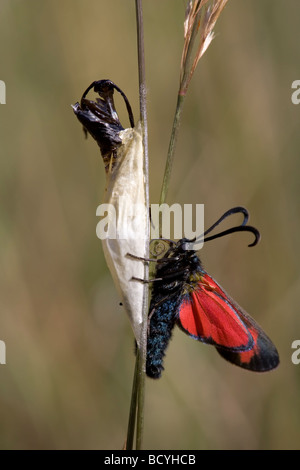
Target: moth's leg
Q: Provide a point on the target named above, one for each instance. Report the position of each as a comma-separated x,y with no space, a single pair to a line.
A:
139,258
144,281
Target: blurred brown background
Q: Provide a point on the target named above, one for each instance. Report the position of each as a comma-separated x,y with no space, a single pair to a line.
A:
70,353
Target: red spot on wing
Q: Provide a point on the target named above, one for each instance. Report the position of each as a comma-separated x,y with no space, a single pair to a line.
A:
245,357
261,358
208,315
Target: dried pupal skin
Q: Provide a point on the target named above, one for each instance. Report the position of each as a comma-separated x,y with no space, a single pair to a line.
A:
125,191
122,153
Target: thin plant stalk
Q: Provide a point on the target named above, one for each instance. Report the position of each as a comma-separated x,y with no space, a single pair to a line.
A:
136,416
186,66
133,408
200,19
141,357
172,147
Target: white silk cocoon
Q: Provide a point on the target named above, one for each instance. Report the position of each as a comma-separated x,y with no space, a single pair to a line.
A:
125,190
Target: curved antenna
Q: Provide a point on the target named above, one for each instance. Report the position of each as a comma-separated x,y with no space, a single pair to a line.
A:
99,86
243,227
239,228
168,240
160,241
234,210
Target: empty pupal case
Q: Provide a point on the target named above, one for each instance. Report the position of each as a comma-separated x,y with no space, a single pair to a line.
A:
123,230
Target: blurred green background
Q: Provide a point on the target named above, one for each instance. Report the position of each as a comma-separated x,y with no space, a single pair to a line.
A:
70,349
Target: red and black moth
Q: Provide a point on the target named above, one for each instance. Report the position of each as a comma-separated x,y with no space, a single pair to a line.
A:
184,294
